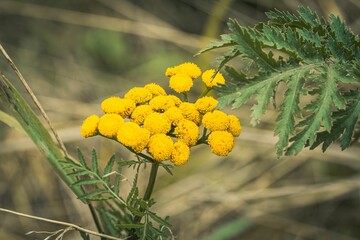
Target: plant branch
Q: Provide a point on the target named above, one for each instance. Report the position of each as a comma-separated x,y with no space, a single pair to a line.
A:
73,226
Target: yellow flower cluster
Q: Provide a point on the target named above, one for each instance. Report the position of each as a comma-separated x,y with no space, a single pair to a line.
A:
148,119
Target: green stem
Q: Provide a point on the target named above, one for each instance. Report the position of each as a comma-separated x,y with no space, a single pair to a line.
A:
185,97
147,195
151,183
207,90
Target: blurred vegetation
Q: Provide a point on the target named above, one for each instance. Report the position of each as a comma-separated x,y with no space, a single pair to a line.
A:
75,53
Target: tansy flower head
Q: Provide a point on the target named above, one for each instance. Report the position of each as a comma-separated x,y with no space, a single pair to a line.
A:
109,124
216,121
140,113
157,123
190,112
234,126
160,147
181,153
187,131
170,71
123,107
161,103
133,136
221,142
176,100
210,80
155,89
139,94
89,126
188,68
174,114
180,83
205,104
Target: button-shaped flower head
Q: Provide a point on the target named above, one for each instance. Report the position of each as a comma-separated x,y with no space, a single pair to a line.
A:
181,153
174,114
187,131
89,127
109,124
140,113
206,104
180,83
155,89
160,147
121,106
190,69
210,80
216,121
221,142
161,103
140,95
157,123
133,136
190,112
234,125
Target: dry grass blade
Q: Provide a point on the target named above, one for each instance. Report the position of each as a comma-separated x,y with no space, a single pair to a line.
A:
33,97
69,225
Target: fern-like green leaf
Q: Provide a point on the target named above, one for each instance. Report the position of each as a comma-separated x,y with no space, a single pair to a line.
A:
316,60
82,159
288,110
94,162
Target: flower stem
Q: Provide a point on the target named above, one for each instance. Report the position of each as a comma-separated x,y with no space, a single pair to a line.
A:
147,195
207,90
151,183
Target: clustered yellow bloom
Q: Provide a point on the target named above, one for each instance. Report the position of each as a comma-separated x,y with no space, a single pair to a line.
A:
149,119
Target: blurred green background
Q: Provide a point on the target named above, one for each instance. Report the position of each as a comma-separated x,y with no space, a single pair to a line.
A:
76,53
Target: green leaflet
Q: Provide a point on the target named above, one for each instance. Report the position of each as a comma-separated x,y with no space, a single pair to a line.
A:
318,59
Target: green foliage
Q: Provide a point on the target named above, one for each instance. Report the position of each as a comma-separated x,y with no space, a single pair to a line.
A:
118,211
314,60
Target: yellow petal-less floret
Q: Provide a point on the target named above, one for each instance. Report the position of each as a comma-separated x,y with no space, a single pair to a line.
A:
160,147
155,89
190,112
140,113
187,131
174,114
109,124
221,142
180,83
90,126
139,94
206,104
161,103
181,153
216,121
133,136
234,125
210,81
123,107
157,123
